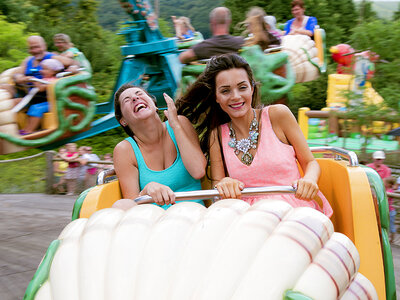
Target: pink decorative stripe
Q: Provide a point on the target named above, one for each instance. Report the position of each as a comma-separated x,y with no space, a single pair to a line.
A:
299,243
342,261
333,279
348,252
354,293
311,229
363,289
273,213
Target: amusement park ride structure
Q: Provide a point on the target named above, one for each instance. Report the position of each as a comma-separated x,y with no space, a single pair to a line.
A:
151,61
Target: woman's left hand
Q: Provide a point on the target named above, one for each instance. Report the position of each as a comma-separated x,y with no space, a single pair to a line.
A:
307,189
171,113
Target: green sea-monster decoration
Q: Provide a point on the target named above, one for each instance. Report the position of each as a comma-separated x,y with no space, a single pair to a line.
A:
291,295
78,204
42,273
273,86
64,88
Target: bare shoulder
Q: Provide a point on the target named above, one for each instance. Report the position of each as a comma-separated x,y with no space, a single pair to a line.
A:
279,110
24,62
123,148
280,113
124,154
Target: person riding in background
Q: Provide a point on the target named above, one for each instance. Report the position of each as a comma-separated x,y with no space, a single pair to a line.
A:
39,104
258,29
271,21
221,42
183,29
300,24
248,146
158,158
66,48
30,67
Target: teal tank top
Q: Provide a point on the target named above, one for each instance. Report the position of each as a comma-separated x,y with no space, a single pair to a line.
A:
175,176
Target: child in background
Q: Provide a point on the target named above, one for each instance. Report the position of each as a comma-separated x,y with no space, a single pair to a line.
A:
39,104
183,29
390,186
71,156
60,169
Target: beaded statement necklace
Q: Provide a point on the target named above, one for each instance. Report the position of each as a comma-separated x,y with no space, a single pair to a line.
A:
244,145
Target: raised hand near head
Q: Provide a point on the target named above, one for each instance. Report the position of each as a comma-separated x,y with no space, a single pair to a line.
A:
171,113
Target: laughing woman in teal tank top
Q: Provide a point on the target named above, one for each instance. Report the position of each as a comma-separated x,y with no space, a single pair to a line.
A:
158,158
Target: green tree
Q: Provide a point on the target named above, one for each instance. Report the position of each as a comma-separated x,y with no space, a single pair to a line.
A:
165,28
16,10
50,16
197,11
366,13
374,36
101,47
396,15
12,44
111,15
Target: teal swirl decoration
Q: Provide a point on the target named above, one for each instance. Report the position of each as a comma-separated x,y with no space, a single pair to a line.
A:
64,88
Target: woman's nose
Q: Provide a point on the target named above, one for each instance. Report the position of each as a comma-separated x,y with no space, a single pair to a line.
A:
235,94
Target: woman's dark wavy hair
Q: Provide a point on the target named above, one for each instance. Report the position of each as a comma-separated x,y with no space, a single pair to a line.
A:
117,104
199,103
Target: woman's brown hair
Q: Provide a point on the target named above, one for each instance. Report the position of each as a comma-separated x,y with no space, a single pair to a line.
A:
297,3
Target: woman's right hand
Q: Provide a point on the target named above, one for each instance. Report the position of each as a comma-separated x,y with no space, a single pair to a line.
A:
161,194
230,188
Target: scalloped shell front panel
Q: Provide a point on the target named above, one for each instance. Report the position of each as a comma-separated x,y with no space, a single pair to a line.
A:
229,251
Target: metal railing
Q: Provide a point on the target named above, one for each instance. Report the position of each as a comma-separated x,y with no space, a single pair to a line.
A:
211,194
339,152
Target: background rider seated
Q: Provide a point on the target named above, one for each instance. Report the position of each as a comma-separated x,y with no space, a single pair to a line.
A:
30,67
300,24
39,105
221,42
183,29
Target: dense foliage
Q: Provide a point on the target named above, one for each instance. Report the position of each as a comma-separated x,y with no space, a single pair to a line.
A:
197,11
12,43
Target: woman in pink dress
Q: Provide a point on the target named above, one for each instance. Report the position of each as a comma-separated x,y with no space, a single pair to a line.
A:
249,146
